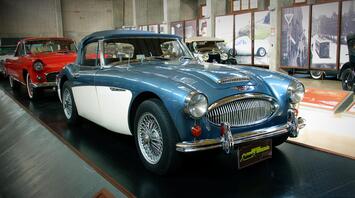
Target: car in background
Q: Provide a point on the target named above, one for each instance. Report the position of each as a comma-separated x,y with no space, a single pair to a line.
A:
37,61
150,86
209,49
7,50
347,72
243,47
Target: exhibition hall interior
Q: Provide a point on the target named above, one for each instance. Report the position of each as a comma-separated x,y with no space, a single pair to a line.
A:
177,98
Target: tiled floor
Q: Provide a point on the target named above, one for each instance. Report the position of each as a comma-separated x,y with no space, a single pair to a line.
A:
325,129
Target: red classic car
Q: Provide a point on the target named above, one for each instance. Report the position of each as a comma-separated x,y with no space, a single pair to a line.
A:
37,61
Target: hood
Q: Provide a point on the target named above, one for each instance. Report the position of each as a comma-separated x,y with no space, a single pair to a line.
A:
55,58
205,78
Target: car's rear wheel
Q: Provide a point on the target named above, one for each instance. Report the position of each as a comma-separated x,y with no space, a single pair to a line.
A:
31,90
316,74
13,83
69,105
155,136
348,80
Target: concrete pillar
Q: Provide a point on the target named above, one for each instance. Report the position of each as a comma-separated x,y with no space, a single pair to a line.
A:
118,13
130,17
58,17
213,9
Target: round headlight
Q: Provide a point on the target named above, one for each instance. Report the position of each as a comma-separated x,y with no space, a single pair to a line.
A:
205,57
38,66
196,105
224,56
296,92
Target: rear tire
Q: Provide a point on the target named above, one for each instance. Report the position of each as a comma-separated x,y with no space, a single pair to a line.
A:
156,137
348,79
69,106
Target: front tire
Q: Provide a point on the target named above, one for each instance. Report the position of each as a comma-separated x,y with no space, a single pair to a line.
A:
348,80
69,106
31,91
156,137
316,74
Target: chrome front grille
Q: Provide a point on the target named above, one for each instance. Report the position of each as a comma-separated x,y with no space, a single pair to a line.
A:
242,110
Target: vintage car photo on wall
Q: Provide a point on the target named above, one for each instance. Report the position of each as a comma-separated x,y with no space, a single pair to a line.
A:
150,86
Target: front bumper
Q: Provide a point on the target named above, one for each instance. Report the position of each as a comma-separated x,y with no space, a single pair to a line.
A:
44,85
228,141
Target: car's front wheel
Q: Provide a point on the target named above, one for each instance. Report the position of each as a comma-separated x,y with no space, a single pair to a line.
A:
31,90
348,80
155,136
316,74
69,105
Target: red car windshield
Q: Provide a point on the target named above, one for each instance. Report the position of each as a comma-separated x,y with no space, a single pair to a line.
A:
39,46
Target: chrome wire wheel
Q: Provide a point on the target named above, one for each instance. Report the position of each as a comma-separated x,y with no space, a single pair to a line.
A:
348,81
29,86
150,138
67,104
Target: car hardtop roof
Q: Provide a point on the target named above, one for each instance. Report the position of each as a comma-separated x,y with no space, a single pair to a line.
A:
119,33
44,38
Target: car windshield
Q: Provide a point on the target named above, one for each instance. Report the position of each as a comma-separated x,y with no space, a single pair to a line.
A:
122,51
39,46
207,46
7,50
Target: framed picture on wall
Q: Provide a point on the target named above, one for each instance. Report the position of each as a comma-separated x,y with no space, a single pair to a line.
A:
262,38
300,1
203,25
324,36
145,28
253,4
153,28
236,5
245,4
243,42
294,37
224,29
163,29
190,28
177,28
347,27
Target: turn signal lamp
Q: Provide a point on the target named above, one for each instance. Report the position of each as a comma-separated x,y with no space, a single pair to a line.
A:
196,131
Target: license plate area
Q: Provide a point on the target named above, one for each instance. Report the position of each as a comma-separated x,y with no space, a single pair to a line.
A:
254,152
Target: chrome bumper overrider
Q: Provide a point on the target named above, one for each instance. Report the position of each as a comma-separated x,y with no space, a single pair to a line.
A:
228,141
45,84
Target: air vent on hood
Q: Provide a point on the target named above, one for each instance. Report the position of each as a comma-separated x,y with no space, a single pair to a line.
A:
233,79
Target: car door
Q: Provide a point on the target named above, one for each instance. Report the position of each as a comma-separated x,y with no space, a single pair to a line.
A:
114,99
13,65
83,88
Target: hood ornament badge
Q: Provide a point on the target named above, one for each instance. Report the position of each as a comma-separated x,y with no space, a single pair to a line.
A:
244,88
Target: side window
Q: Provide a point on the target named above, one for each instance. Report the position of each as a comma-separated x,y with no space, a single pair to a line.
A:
19,50
90,57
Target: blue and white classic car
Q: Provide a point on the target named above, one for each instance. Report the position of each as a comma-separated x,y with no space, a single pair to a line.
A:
149,85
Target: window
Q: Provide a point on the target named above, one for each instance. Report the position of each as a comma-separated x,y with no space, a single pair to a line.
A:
20,51
91,55
117,51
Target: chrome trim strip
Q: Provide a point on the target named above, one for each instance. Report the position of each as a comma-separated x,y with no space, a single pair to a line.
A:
45,84
238,138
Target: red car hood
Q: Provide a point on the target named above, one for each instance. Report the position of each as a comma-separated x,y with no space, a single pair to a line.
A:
54,59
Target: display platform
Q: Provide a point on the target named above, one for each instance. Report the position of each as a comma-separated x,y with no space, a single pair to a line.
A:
293,170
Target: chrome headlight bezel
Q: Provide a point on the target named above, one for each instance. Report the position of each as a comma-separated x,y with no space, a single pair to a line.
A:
196,105
295,92
38,66
224,56
205,57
